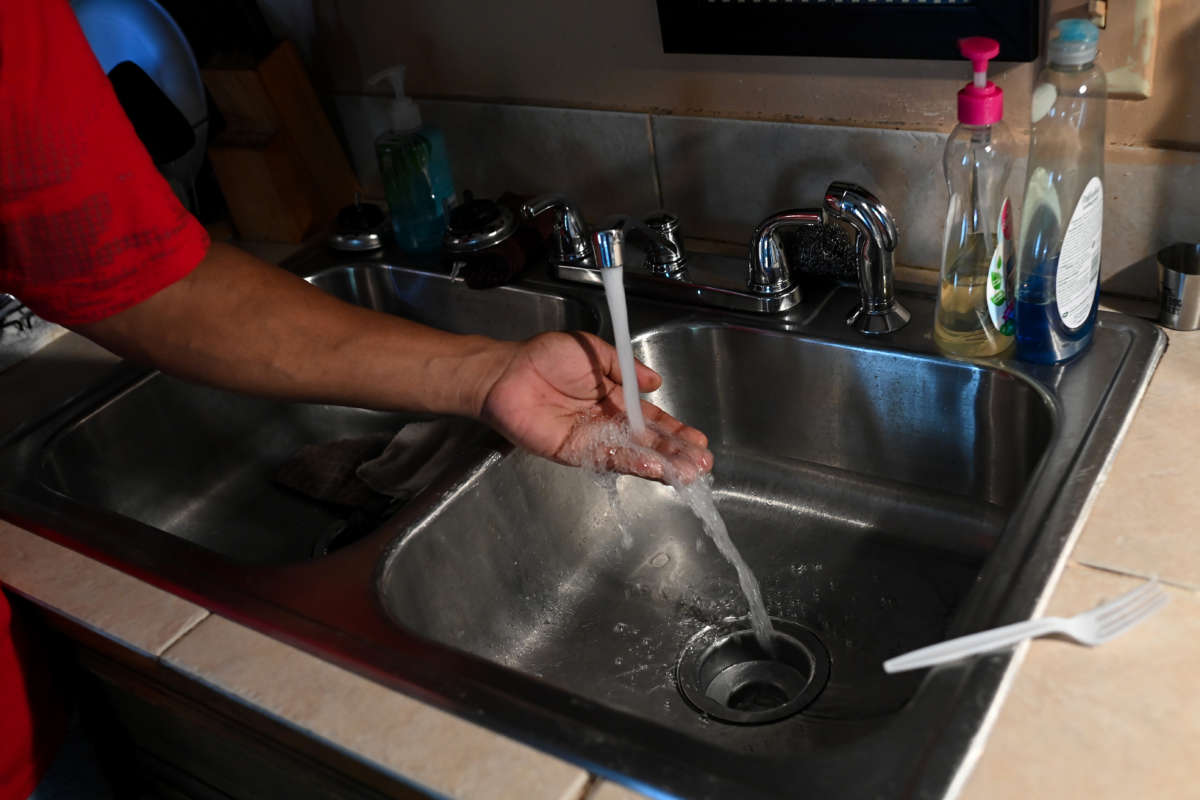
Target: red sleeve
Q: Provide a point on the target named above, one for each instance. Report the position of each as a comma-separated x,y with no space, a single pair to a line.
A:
88,226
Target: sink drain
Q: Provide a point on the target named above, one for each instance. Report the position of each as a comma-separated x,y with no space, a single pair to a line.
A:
724,673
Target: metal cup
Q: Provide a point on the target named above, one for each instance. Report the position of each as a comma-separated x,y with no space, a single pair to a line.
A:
1179,286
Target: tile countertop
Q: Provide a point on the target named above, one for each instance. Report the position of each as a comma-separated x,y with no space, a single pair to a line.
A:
1115,722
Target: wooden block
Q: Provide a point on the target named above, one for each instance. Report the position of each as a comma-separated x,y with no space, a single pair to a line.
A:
275,100
311,138
242,100
268,197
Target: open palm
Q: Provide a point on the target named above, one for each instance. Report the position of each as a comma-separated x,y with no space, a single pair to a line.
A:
560,397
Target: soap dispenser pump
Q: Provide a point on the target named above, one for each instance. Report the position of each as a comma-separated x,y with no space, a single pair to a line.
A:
415,170
974,315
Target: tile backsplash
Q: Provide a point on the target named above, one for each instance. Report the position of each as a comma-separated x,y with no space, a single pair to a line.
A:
722,176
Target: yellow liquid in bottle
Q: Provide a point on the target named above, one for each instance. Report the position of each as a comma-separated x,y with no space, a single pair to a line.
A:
962,324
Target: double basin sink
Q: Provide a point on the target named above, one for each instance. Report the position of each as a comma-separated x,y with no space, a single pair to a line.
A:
885,496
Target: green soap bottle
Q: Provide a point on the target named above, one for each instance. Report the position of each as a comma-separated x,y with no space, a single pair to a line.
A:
416,172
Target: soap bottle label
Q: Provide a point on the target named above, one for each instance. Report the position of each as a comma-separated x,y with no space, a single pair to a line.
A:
1079,261
1000,299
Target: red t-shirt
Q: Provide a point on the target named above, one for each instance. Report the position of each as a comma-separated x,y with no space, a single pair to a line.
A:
88,228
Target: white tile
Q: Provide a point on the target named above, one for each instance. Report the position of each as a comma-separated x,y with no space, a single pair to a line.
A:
1105,723
115,605
435,750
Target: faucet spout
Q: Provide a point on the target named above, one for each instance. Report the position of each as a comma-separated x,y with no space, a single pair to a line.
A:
658,235
769,271
878,310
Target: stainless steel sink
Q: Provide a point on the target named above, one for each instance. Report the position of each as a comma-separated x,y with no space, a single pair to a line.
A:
432,298
885,495
865,488
201,464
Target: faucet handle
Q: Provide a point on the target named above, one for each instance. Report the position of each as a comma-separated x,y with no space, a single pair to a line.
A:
569,242
665,254
769,273
878,310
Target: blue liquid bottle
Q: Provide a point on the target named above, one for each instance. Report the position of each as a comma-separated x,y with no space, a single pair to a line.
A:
1058,262
416,172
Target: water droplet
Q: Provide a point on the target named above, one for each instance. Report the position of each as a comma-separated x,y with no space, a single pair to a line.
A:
660,560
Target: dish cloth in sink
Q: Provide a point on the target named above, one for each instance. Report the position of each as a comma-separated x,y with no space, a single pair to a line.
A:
416,455
325,471
360,471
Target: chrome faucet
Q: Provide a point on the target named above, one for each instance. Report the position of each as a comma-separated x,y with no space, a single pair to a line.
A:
769,272
878,310
668,271
658,234
769,285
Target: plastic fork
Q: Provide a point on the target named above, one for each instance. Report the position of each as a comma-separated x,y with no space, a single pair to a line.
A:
1094,627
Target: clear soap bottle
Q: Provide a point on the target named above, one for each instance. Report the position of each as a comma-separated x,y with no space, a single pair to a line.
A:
415,171
974,315
1058,287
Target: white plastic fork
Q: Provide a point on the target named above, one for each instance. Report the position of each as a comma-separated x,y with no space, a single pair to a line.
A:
1094,627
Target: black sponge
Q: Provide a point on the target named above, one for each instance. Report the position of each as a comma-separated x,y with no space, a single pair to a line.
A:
822,250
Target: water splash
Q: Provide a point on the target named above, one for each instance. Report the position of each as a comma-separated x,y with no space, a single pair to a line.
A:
699,496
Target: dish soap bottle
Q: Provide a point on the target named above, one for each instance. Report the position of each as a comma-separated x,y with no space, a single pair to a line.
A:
416,173
1058,287
974,305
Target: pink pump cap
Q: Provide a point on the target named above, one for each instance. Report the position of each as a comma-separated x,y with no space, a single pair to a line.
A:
980,102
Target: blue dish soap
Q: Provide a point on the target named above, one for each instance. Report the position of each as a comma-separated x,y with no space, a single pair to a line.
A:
416,173
1058,262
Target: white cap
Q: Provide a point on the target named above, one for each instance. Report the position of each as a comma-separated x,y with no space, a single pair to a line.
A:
404,112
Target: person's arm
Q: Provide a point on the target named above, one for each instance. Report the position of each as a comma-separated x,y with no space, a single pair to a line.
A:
240,323
92,237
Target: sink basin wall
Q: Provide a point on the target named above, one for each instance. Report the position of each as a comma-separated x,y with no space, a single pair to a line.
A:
949,426
199,463
506,312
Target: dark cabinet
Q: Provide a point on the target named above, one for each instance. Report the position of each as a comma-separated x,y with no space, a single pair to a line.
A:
849,28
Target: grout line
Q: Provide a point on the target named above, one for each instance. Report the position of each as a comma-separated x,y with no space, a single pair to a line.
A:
588,790
654,168
1132,573
174,640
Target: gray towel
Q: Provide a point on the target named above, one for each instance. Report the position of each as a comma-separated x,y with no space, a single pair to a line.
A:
416,455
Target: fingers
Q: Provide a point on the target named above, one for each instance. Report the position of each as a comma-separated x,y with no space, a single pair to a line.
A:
648,380
659,453
682,461
653,413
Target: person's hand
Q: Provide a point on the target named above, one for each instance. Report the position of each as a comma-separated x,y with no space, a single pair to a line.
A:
560,396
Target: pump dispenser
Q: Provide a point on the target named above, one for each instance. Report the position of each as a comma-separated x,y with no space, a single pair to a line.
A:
404,114
415,170
974,314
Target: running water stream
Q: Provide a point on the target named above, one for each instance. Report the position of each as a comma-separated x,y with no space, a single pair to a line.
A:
698,494
614,292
